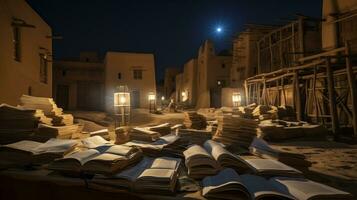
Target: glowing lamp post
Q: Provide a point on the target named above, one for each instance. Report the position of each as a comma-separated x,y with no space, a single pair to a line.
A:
152,102
122,106
236,99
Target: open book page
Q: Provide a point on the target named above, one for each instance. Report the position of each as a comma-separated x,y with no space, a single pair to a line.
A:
83,156
94,142
133,173
24,145
145,130
166,174
261,165
120,150
223,178
166,139
195,150
106,157
55,145
166,163
260,187
143,144
215,149
263,145
304,189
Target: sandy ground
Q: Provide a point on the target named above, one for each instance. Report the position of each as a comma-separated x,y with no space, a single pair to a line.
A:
333,163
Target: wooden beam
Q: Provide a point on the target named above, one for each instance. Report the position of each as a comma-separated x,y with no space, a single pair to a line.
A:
297,96
353,90
331,96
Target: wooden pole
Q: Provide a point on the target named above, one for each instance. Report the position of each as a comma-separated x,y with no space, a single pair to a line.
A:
246,93
297,96
258,51
331,96
353,88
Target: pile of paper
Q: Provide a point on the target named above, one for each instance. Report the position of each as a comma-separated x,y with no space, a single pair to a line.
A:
163,129
48,105
46,132
194,120
62,120
236,130
16,123
144,134
194,136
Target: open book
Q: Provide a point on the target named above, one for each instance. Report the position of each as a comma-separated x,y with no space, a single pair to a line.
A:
30,152
229,185
205,161
103,160
95,141
149,175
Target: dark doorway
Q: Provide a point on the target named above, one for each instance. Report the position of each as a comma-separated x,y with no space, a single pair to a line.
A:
62,95
90,96
135,99
215,97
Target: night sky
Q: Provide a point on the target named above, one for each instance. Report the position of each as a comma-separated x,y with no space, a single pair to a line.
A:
172,29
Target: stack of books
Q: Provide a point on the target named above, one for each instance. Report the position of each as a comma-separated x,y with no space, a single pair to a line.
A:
150,175
27,152
62,120
163,129
16,123
48,105
194,136
193,120
144,134
229,185
236,130
107,160
46,132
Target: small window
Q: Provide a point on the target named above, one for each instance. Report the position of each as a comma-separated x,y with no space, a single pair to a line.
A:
16,43
43,68
138,74
64,72
119,76
223,65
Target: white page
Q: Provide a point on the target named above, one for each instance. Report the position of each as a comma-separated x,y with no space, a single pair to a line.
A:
24,145
56,145
269,164
157,173
83,156
120,150
225,177
165,163
195,150
215,149
304,189
94,142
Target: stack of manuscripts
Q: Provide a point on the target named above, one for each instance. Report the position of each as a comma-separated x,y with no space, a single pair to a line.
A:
49,109
235,130
46,132
194,136
163,129
16,123
144,134
194,120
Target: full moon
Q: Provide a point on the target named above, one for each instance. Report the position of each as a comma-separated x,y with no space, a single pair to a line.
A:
219,29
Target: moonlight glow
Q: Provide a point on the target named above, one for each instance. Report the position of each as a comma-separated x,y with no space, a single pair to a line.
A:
218,29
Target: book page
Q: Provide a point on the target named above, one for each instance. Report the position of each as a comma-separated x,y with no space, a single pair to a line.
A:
83,156
157,173
225,177
302,188
120,150
94,142
215,149
55,145
134,172
268,164
166,163
195,150
24,145
106,157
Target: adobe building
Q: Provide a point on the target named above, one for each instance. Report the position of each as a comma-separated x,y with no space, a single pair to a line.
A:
179,88
25,52
189,82
170,81
136,70
79,83
213,73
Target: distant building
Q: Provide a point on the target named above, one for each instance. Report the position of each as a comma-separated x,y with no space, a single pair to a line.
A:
79,83
136,70
189,82
213,73
25,52
169,81
179,88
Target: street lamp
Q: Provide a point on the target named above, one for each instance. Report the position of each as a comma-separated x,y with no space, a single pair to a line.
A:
122,105
152,102
236,99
